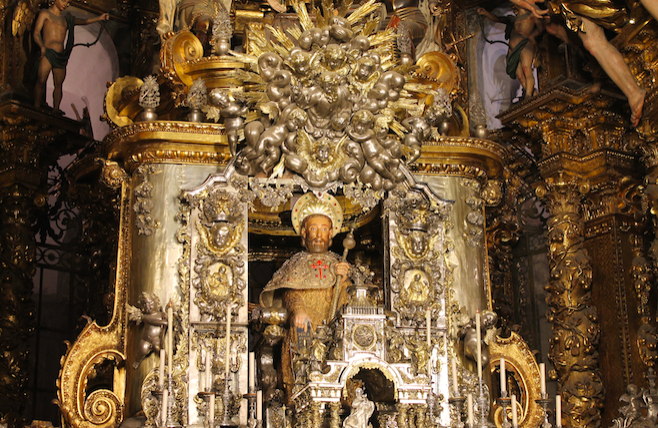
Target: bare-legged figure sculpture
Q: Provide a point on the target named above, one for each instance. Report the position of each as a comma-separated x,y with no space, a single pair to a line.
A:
49,34
600,13
521,30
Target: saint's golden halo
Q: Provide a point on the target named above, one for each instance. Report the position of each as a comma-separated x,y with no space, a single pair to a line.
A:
309,204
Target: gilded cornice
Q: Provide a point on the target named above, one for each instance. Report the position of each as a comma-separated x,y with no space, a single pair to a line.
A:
595,166
167,142
463,156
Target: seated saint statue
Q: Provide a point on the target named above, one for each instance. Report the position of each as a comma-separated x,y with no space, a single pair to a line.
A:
310,281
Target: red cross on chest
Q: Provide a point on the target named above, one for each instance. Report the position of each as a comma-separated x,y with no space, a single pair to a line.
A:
318,266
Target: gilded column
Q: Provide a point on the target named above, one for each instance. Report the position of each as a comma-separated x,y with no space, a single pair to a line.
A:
575,338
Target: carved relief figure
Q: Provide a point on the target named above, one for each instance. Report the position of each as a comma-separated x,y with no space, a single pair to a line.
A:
306,283
417,291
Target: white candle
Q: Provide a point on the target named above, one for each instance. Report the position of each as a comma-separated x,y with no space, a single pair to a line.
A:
478,335
170,337
165,398
469,405
208,372
252,370
428,322
542,377
503,378
211,411
227,354
515,421
162,370
558,411
259,405
455,385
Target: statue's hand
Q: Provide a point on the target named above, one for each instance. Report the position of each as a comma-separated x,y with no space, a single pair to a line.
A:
342,269
300,319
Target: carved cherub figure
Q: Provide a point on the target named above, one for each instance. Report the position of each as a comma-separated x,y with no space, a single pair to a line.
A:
233,113
155,322
632,410
264,145
419,132
379,159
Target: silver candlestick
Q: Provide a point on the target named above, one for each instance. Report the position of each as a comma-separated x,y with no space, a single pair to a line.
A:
483,407
544,402
226,402
504,402
458,404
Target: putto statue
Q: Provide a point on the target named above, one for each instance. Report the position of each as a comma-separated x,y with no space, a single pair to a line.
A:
155,323
307,284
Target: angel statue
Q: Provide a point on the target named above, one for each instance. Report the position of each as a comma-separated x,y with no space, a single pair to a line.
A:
155,322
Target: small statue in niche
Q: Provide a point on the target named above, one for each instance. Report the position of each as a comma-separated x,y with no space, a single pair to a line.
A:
521,30
155,322
50,32
362,410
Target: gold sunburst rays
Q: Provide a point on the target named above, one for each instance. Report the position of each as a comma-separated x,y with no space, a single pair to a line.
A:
344,7
364,10
246,76
246,58
302,14
370,27
382,37
281,37
294,31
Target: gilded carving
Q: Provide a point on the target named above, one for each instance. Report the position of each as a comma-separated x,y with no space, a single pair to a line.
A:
642,274
524,372
576,332
144,222
112,174
502,233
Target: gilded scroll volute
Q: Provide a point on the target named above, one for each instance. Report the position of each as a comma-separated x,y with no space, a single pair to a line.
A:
523,371
96,346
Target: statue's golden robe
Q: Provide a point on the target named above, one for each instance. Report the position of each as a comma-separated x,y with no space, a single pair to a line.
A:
305,281
606,13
